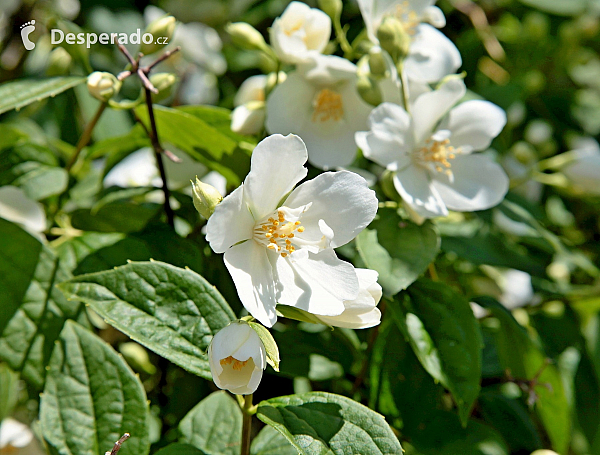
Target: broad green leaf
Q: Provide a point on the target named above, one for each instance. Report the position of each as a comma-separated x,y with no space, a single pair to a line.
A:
398,249
510,418
269,344
74,250
214,425
320,423
9,390
39,181
446,338
271,442
179,449
117,148
217,117
158,241
92,398
587,400
20,93
525,360
559,7
173,312
120,216
492,249
32,310
201,141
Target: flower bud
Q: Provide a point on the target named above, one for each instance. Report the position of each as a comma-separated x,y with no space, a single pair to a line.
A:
162,28
103,86
206,198
164,83
377,63
544,452
237,358
58,62
369,90
393,38
249,118
333,8
246,36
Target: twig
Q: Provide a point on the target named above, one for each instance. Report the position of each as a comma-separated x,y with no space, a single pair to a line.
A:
86,135
117,445
479,20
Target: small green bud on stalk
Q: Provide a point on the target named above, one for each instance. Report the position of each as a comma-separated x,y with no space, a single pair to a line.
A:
164,83
58,62
377,64
247,37
206,198
369,90
393,38
103,86
162,31
333,8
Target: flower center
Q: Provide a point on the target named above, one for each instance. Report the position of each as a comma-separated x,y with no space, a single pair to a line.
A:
327,105
407,17
237,364
277,232
437,154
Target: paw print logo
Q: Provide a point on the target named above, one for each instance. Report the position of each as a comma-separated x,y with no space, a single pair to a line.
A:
26,29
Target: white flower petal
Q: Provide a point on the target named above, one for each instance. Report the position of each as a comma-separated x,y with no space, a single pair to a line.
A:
332,274
289,105
15,206
414,186
14,433
327,69
431,55
585,170
474,124
251,271
307,295
479,183
434,16
429,108
341,199
231,222
252,89
277,166
246,119
390,138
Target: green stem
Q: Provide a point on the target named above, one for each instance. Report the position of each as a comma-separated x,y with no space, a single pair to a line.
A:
246,424
404,82
86,135
340,34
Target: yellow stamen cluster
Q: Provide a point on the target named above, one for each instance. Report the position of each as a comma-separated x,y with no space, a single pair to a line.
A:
279,232
327,106
407,17
438,153
237,365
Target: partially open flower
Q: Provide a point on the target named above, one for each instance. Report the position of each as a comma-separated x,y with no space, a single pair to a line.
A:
237,358
103,86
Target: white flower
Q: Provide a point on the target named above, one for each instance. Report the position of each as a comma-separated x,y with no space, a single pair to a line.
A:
237,358
319,102
248,117
300,31
278,241
362,312
584,170
14,434
430,151
431,55
15,206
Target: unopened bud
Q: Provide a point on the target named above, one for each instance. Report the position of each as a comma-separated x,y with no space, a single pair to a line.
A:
164,83
162,31
333,8
377,64
103,86
393,38
206,198
274,79
246,36
369,90
58,62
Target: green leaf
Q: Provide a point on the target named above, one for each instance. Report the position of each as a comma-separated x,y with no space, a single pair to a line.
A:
9,390
271,442
173,312
179,449
319,423
217,117
524,359
201,141
32,311
559,7
398,249
92,398
269,343
20,93
74,250
446,338
214,425
39,181
120,216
